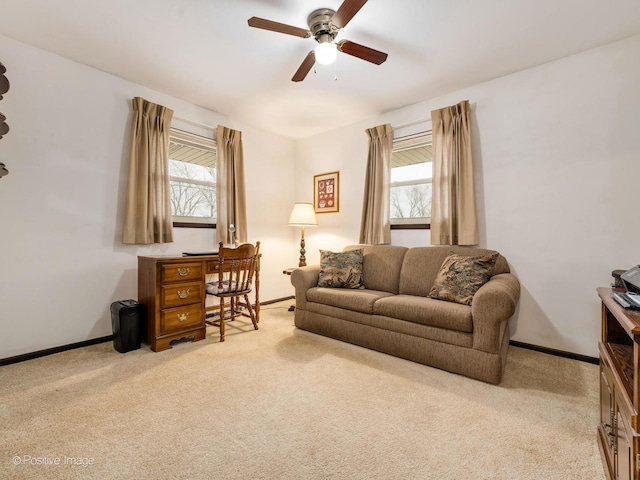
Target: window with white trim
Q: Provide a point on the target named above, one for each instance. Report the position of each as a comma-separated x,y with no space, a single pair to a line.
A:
411,176
192,178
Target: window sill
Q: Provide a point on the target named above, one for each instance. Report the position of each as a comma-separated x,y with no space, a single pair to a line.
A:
193,225
411,226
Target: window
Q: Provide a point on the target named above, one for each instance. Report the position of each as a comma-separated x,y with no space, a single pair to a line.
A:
411,175
192,179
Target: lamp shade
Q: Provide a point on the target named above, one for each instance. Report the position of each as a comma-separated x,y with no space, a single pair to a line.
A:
303,215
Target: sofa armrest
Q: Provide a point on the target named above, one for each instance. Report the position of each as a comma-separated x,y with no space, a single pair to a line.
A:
494,303
303,279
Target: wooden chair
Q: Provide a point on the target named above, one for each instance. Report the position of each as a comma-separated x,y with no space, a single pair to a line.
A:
236,273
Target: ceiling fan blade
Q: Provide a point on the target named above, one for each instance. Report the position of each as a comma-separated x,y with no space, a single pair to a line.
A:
360,51
304,68
278,27
346,12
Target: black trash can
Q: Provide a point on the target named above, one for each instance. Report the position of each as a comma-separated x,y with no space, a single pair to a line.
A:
126,320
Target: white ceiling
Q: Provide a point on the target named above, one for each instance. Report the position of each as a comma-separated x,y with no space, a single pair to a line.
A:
204,52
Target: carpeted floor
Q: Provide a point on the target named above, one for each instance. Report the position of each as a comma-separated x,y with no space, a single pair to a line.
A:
281,403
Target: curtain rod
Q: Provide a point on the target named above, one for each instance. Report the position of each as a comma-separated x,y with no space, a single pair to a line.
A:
192,122
411,123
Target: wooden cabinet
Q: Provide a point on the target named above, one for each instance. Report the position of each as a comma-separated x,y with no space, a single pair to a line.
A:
618,438
172,292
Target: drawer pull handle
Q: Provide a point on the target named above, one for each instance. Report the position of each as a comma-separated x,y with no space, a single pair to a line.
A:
183,316
183,272
183,293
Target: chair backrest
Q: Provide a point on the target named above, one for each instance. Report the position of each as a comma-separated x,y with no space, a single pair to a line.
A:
237,267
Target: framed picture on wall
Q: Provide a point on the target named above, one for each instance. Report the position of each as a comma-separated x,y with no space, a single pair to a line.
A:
326,192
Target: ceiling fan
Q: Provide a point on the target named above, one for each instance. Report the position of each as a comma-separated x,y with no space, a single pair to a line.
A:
324,25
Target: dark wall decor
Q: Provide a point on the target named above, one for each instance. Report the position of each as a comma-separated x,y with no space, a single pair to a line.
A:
4,127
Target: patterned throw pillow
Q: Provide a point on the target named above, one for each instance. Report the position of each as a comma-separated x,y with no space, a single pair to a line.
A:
461,276
341,270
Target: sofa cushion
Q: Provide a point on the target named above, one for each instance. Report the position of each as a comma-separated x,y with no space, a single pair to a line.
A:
388,324
356,300
381,266
426,311
461,276
421,265
341,269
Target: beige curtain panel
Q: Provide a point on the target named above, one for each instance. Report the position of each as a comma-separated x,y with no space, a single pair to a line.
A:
376,227
453,214
230,190
147,216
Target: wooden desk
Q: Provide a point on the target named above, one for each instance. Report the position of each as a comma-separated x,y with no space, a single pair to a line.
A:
171,289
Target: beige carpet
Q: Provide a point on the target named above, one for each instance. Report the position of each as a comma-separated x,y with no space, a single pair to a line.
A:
281,403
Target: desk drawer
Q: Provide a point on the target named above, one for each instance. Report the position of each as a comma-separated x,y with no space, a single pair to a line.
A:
213,266
181,294
180,318
180,272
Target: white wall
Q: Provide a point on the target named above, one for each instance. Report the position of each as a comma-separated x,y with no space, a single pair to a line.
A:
62,262
340,150
557,166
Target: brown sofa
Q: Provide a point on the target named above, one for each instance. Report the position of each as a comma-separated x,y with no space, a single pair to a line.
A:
394,315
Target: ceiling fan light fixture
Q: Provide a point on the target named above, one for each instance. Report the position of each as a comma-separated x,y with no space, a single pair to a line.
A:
326,53
324,26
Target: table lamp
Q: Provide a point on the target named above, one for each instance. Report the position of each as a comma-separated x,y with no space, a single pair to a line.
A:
302,216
